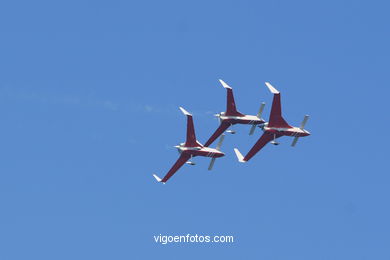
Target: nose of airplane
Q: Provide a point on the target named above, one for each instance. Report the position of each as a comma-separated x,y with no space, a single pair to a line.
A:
219,154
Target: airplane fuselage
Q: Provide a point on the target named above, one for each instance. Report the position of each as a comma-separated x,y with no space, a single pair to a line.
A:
293,131
245,120
200,151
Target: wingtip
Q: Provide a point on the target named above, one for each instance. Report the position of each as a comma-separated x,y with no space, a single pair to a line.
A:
239,155
158,178
271,88
185,112
224,84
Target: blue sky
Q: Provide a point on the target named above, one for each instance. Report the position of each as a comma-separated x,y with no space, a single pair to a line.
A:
89,97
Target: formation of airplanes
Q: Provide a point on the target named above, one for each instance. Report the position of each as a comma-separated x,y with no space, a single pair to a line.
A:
276,127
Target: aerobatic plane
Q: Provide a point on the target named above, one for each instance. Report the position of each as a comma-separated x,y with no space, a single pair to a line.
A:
275,128
190,149
231,117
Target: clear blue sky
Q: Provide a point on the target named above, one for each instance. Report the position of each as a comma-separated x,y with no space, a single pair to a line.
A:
89,96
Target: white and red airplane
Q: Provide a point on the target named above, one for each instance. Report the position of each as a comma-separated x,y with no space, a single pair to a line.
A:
190,149
275,128
231,117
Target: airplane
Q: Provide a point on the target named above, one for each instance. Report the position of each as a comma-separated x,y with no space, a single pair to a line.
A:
275,128
190,149
231,117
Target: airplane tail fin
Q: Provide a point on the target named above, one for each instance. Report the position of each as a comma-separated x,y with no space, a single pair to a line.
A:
240,157
158,178
276,119
191,137
231,109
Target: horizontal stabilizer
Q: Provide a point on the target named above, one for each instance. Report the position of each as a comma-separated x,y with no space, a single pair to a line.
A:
157,178
295,141
220,142
211,164
271,88
261,110
185,112
224,84
304,122
239,155
252,130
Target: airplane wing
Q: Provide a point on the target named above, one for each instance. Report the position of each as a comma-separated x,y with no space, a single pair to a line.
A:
182,160
276,119
263,140
231,109
222,127
191,137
